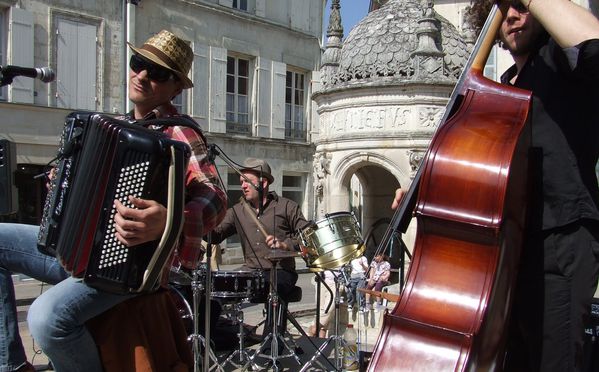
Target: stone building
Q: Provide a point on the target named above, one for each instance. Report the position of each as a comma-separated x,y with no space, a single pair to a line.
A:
252,71
383,92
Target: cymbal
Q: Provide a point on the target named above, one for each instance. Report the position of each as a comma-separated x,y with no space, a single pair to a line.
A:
277,255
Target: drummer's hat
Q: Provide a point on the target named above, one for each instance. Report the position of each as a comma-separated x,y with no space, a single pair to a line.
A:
259,167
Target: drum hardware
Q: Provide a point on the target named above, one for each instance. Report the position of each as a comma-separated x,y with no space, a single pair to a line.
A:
197,340
336,339
332,241
274,337
239,287
244,355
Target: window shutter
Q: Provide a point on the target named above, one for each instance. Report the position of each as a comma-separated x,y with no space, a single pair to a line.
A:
263,103
201,89
279,72
20,53
227,3
76,65
261,8
86,69
316,85
217,122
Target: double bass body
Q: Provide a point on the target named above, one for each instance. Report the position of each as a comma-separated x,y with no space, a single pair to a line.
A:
452,314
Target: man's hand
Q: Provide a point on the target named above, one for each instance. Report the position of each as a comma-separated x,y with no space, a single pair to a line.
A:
275,243
399,193
141,225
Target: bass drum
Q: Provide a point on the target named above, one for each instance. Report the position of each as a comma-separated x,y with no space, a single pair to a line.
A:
183,308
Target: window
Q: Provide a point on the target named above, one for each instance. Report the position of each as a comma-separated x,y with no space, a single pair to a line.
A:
294,106
180,102
31,194
293,188
3,37
237,95
76,49
490,70
240,4
233,194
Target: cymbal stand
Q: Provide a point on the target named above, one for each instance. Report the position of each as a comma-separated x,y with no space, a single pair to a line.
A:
197,287
274,337
336,340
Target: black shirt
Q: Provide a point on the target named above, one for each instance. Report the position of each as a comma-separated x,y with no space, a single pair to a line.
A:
565,129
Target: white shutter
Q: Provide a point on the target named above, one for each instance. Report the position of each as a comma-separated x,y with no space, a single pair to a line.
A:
217,119
76,65
20,53
261,8
316,85
66,66
263,103
279,72
201,89
86,69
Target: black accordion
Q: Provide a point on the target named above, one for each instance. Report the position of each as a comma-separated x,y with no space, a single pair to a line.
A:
101,159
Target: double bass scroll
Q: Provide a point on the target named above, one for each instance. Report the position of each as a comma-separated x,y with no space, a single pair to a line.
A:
470,211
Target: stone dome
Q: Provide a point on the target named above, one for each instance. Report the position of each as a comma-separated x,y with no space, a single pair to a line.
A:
390,45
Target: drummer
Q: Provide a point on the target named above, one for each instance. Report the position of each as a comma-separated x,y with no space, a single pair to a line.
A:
280,217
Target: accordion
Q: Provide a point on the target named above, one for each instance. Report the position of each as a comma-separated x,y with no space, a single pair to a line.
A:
101,159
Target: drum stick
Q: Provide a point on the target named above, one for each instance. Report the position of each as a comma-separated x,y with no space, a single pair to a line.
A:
253,216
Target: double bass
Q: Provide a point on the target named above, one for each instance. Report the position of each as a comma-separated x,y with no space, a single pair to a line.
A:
469,199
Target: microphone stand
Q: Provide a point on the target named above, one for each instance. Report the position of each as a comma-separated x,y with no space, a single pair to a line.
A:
208,305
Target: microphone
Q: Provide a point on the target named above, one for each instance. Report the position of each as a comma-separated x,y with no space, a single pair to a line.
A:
45,74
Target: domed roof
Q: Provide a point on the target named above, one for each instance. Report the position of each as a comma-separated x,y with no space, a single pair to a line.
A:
388,40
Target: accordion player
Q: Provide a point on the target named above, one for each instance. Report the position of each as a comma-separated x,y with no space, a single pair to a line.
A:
101,159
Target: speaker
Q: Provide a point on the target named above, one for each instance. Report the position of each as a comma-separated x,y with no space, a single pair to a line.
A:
9,201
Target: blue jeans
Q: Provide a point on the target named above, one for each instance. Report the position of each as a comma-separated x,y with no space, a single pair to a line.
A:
19,254
56,318
352,294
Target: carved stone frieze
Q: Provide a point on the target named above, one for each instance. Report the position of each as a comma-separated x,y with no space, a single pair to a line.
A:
429,117
415,157
321,169
364,119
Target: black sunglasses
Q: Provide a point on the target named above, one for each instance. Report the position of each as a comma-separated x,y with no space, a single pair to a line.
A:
155,72
518,6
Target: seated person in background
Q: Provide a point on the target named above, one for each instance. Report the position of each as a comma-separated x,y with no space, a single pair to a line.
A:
380,270
357,279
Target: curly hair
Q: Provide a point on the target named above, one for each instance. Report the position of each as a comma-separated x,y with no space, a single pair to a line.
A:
476,14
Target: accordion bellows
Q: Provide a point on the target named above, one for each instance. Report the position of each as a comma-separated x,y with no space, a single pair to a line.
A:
101,159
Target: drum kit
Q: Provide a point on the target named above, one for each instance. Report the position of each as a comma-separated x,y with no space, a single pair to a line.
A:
231,288
329,244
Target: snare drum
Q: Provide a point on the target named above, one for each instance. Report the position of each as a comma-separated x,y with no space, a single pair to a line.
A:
237,284
332,242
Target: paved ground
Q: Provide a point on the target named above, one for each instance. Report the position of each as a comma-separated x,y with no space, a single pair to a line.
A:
367,324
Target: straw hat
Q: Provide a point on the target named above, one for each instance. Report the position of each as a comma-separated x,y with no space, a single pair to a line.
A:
169,51
259,167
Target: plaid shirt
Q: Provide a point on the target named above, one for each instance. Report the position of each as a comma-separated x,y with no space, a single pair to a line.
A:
206,200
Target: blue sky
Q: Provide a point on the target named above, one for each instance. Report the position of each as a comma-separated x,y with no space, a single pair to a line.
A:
352,11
